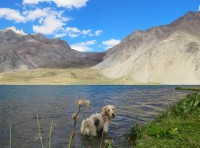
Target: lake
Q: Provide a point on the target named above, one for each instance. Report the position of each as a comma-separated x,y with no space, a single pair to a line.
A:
135,105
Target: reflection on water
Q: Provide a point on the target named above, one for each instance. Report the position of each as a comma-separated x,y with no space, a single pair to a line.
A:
135,105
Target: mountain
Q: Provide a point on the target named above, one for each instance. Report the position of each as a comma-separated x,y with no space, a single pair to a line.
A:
167,54
19,51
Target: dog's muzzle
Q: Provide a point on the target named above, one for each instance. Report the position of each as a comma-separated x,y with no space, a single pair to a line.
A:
113,115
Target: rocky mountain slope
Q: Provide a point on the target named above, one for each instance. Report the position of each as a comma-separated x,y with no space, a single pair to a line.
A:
167,54
19,51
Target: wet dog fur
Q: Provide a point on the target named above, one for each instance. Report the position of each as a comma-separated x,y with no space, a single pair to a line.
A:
98,122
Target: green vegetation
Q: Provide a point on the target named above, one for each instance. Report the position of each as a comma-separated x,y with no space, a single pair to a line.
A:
176,127
188,88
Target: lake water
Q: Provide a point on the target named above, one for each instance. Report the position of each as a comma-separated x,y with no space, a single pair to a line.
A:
135,105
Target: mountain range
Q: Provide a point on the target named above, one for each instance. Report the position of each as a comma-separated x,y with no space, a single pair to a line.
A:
167,54
19,51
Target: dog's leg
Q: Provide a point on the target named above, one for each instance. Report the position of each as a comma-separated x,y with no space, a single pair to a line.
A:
82,126
106,127
93,131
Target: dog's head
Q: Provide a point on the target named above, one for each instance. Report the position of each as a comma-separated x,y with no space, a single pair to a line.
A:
109,111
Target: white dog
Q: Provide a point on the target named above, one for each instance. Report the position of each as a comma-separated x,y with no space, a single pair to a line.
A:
98,122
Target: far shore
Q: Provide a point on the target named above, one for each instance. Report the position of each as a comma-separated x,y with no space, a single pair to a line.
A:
69,76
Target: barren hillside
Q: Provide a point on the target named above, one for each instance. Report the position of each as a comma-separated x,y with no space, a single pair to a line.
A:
167,54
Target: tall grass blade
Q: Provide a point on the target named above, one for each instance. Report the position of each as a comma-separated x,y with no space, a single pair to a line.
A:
40,133
10,125
50,133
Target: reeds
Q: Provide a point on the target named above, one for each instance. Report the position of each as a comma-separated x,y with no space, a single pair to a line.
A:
10,127
40,134
50,133
80,103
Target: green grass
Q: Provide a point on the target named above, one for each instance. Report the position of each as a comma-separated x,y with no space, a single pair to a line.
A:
179,126
188,88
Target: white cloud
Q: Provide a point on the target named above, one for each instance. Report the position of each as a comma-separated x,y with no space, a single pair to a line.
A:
49,25
25,16
90,33
60,3
83,46
49,21
74,32
12,15
98,32
199,8
32,15
110,43
46,21
34,1
18,31
59,35
87,32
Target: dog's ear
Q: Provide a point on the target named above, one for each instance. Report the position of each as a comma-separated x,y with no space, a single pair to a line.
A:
104,110
113,107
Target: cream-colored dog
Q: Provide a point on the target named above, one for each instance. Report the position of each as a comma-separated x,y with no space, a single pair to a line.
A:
98,122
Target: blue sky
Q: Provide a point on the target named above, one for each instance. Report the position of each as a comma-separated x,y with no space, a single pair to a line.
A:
91,25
